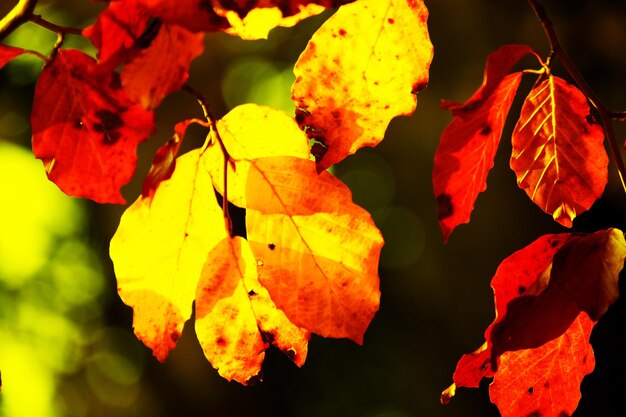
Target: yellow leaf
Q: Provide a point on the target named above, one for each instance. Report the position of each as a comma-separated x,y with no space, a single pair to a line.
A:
159,249
317,252
235,317
248,132
361,69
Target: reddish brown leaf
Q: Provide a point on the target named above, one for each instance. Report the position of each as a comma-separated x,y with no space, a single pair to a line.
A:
86,129
466,154
161,68
558,152
235,318
361,69
195,15
544,294
317,251
164,160
499,64
7,53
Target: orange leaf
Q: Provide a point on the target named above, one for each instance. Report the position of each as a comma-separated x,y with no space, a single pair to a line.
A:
466,154
537,349
317,251
7,53
235,317
85,128
558,153
161,68
248,132
159,250
361,69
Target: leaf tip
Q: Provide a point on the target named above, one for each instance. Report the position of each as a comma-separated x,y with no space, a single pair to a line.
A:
447,394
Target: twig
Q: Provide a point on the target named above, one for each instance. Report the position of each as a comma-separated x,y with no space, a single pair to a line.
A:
207,114
65,30
606,115
17,16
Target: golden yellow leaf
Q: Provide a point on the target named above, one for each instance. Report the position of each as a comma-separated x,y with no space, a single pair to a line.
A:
317,252
159,249
248,132
235,317
361,69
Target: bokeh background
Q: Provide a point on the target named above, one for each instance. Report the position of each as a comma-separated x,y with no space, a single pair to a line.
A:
66,341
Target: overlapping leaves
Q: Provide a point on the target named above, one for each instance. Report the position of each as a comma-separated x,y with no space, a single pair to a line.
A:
548,297
558,154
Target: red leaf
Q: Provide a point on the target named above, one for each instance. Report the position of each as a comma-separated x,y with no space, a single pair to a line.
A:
558,152
117,32
162,67
7,53
466,153
195,15
537,349
86,129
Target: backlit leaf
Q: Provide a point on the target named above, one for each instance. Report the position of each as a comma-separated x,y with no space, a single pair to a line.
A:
159,250
162,67
235,317
85,128
538,348
558,153
466,155
248,132
361,69
317,251
7,53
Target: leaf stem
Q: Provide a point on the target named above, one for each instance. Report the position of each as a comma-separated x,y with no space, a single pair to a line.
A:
606,115
212,121
16,17
53,27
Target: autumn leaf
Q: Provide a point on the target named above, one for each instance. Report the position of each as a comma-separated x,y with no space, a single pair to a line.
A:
159,250
361,69
545,294
558,154
194,15
468,145
317,251
85,128
235,318
7,53
249,132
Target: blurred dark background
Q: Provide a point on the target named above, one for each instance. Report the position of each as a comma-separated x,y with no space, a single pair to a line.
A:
66,341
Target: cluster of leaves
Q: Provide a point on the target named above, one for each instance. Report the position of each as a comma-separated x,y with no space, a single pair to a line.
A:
308,260
549,295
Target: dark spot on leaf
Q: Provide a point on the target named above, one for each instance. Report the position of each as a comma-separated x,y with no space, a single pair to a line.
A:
149,33
521,289
585,359
271,246
445,207
78,124
109,124
174,336
546,384
391,21
485,365
251,293
530,390
116,82
220,341
535,413
418,87
342,32
485,130
268,336
563,414
590,119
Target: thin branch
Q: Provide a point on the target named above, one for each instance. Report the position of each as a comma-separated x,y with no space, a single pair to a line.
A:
606,115
17,16
207,114
65,30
